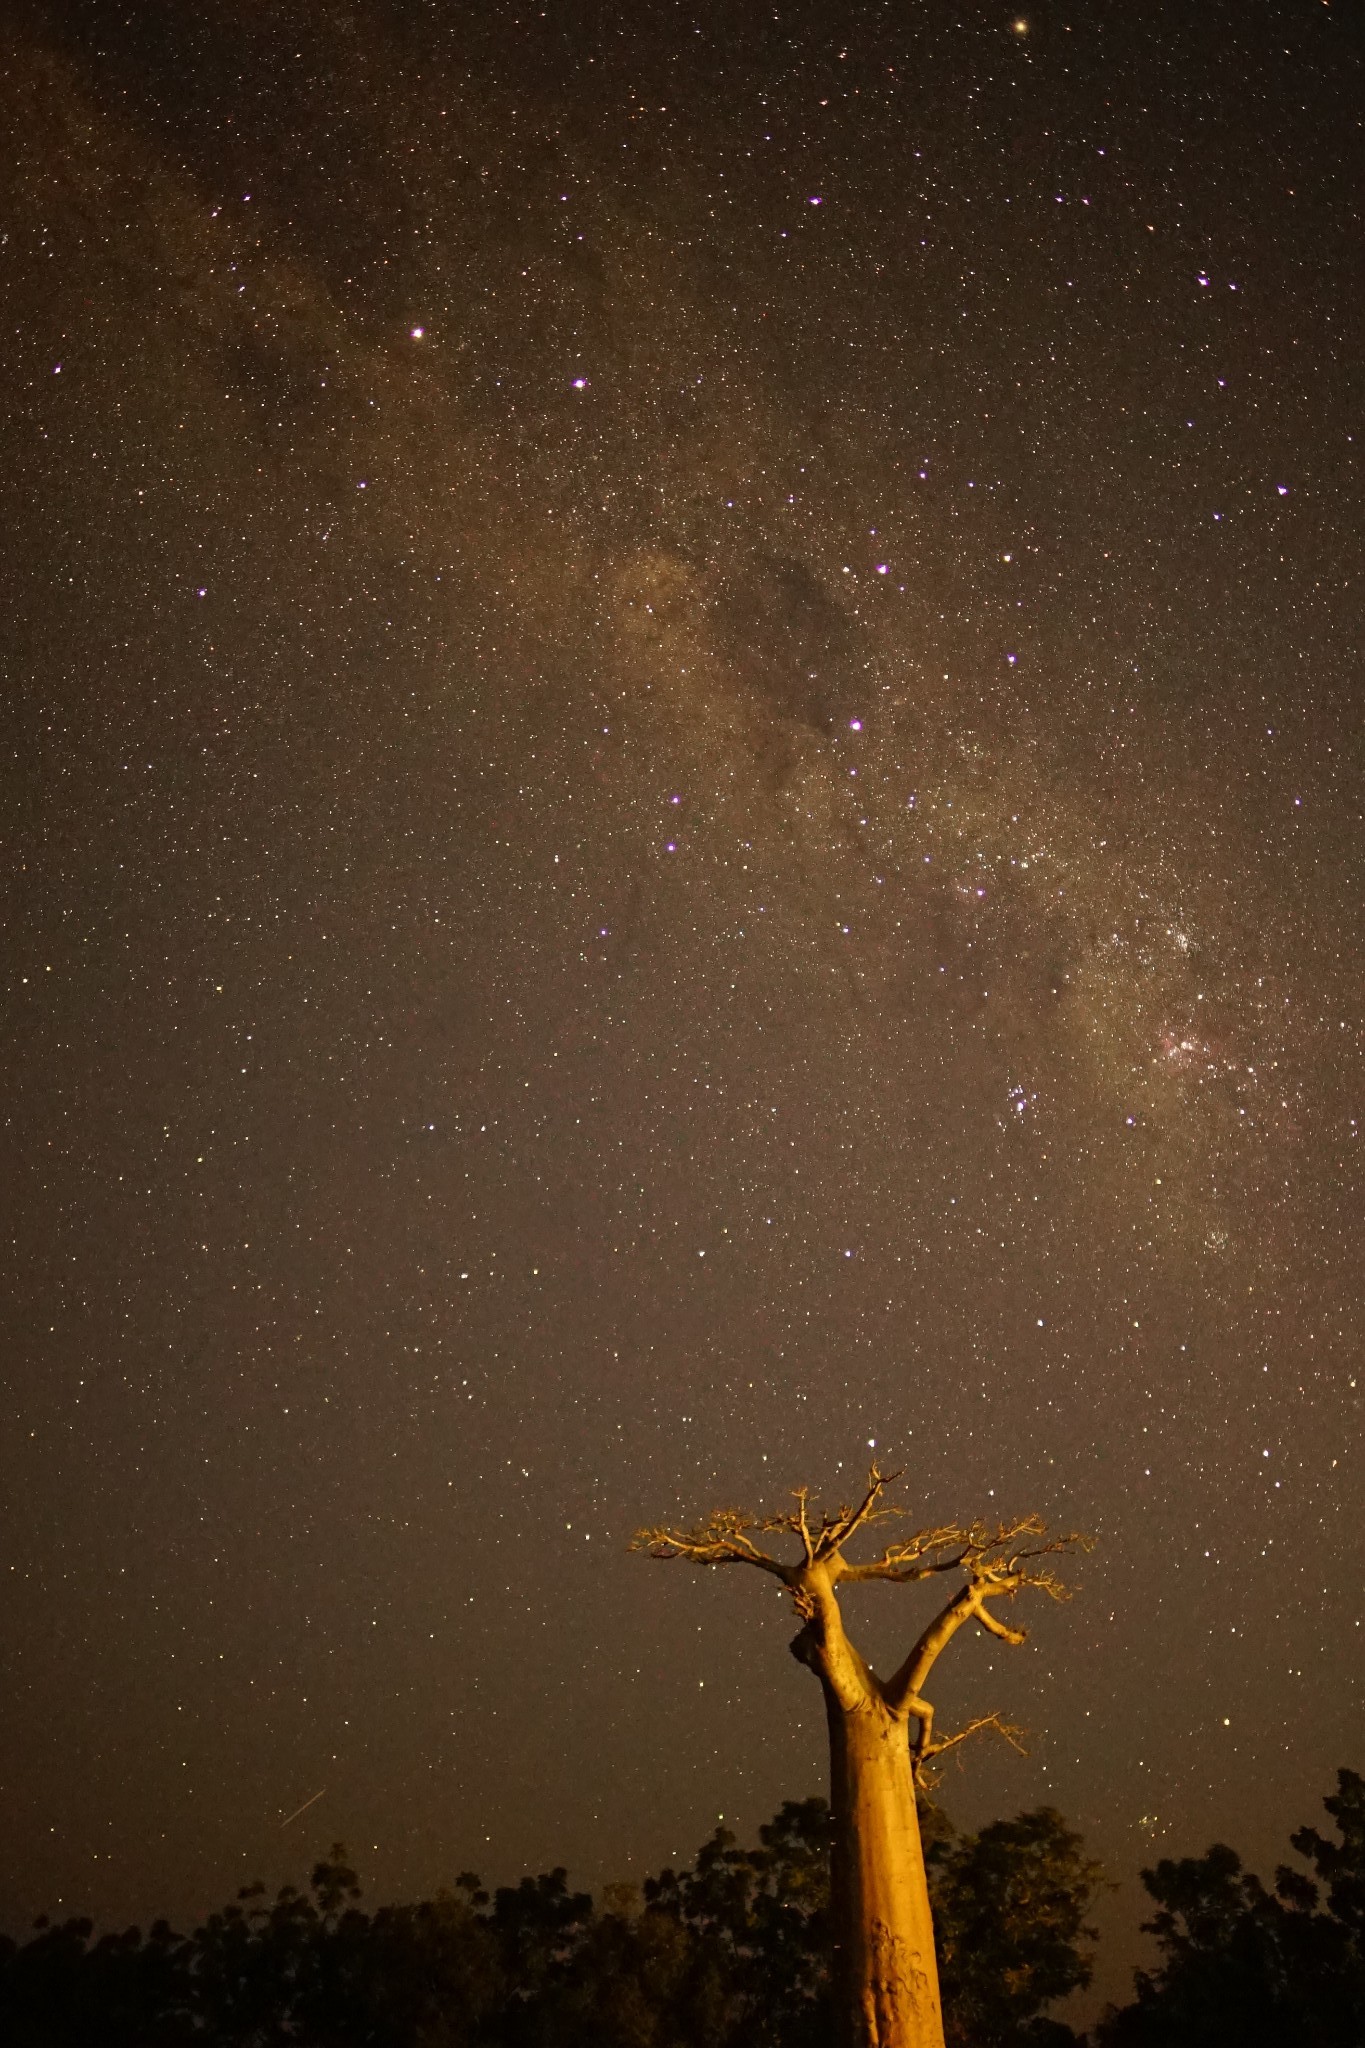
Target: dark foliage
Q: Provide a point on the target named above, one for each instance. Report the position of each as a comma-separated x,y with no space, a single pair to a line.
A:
730,1953
1245,1967
1009,1910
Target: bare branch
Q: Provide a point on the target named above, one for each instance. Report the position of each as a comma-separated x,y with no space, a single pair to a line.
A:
834,1530
915,1558
803,1525
926,1754
724,1539
996,1566
848,1521
901,1690
999,1628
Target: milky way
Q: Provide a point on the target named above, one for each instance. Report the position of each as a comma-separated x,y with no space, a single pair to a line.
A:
682,793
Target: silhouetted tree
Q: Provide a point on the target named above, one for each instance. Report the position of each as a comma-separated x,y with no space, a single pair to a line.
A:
886,1987
1010,1906
759,1923
1245,1967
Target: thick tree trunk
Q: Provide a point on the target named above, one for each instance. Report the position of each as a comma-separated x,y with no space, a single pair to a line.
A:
885,1969
886,1972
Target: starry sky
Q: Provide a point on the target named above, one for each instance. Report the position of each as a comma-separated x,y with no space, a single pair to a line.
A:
682,793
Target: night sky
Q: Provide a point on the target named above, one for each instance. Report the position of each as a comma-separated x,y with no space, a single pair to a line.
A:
682,792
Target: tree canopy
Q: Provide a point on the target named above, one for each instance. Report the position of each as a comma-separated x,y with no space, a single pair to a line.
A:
993,1561
1246,1966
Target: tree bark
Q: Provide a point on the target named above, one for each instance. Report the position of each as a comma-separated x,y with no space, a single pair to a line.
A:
885,1969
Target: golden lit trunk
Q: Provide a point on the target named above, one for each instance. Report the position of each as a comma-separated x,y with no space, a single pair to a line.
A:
885,1970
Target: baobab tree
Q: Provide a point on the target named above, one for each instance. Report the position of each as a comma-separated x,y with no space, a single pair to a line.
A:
886,1975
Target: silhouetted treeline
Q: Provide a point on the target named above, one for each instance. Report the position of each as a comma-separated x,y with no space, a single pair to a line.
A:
729,1953
1244,1967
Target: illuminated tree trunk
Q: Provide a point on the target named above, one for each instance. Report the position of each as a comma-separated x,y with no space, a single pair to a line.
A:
885,1969
886,1972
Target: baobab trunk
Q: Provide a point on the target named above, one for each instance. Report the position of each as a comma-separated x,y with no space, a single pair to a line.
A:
885,1969
886,1972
